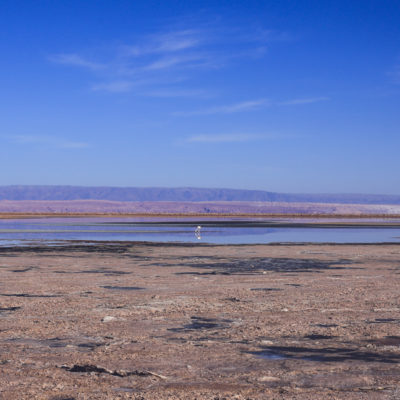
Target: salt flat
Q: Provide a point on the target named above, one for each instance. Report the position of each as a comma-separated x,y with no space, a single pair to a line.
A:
181,321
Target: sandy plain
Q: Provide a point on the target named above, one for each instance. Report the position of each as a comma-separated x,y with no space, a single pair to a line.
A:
183,321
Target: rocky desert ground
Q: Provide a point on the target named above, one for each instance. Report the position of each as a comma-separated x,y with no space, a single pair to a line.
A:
182,321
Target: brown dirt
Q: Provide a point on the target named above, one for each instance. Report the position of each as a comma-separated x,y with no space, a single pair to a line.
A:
169,321
210,208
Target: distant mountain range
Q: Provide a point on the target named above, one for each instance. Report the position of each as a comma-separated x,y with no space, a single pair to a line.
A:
185,194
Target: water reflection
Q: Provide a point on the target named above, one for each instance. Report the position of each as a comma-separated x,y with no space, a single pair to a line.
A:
222,231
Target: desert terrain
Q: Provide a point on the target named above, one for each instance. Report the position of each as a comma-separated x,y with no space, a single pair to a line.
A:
217,208
181,321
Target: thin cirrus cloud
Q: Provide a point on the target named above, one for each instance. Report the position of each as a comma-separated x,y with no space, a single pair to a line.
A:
54,142
168,42
162,52
227,109
181,61
76,60
307,100
395,74
166,55
114,86
199,93
252,105
224,138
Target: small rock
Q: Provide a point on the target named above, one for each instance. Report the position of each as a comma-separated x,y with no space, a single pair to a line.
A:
266,342
268,378
108,318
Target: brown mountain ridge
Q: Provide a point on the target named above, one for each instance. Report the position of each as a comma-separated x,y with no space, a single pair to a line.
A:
181,194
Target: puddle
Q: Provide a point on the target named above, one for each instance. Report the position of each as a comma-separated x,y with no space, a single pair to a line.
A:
314,358
123,287
200,323
260,265
23,270
384,321
29,295
387,341
318,337
330,354
53,343
107,272
57,343
2,309
269,355
96,369
89,346
62,398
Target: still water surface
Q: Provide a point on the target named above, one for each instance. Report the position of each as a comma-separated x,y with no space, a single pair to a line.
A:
222,231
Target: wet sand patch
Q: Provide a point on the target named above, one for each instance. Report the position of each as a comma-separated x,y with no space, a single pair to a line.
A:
30,295
23,269
122,287
202,323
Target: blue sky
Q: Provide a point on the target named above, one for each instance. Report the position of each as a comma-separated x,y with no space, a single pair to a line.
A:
289,96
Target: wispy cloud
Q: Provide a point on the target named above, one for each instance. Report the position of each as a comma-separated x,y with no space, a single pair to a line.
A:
180,61
227,109
45,140
119,86
252,105
76,60
168,54
272,35
236,137
155,56
395,74
168,42
224,138
307,100
196,93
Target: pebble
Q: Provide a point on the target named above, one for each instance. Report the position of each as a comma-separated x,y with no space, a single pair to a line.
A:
268,378
266,342
108,318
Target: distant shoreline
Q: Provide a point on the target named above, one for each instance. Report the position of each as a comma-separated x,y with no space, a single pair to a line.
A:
218,209
188,215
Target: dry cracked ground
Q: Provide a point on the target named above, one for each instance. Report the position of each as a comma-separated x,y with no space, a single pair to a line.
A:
175,321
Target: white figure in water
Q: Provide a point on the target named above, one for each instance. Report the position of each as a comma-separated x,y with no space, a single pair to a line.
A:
197,232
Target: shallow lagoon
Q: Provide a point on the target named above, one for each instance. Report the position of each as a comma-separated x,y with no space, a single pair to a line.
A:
217,231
